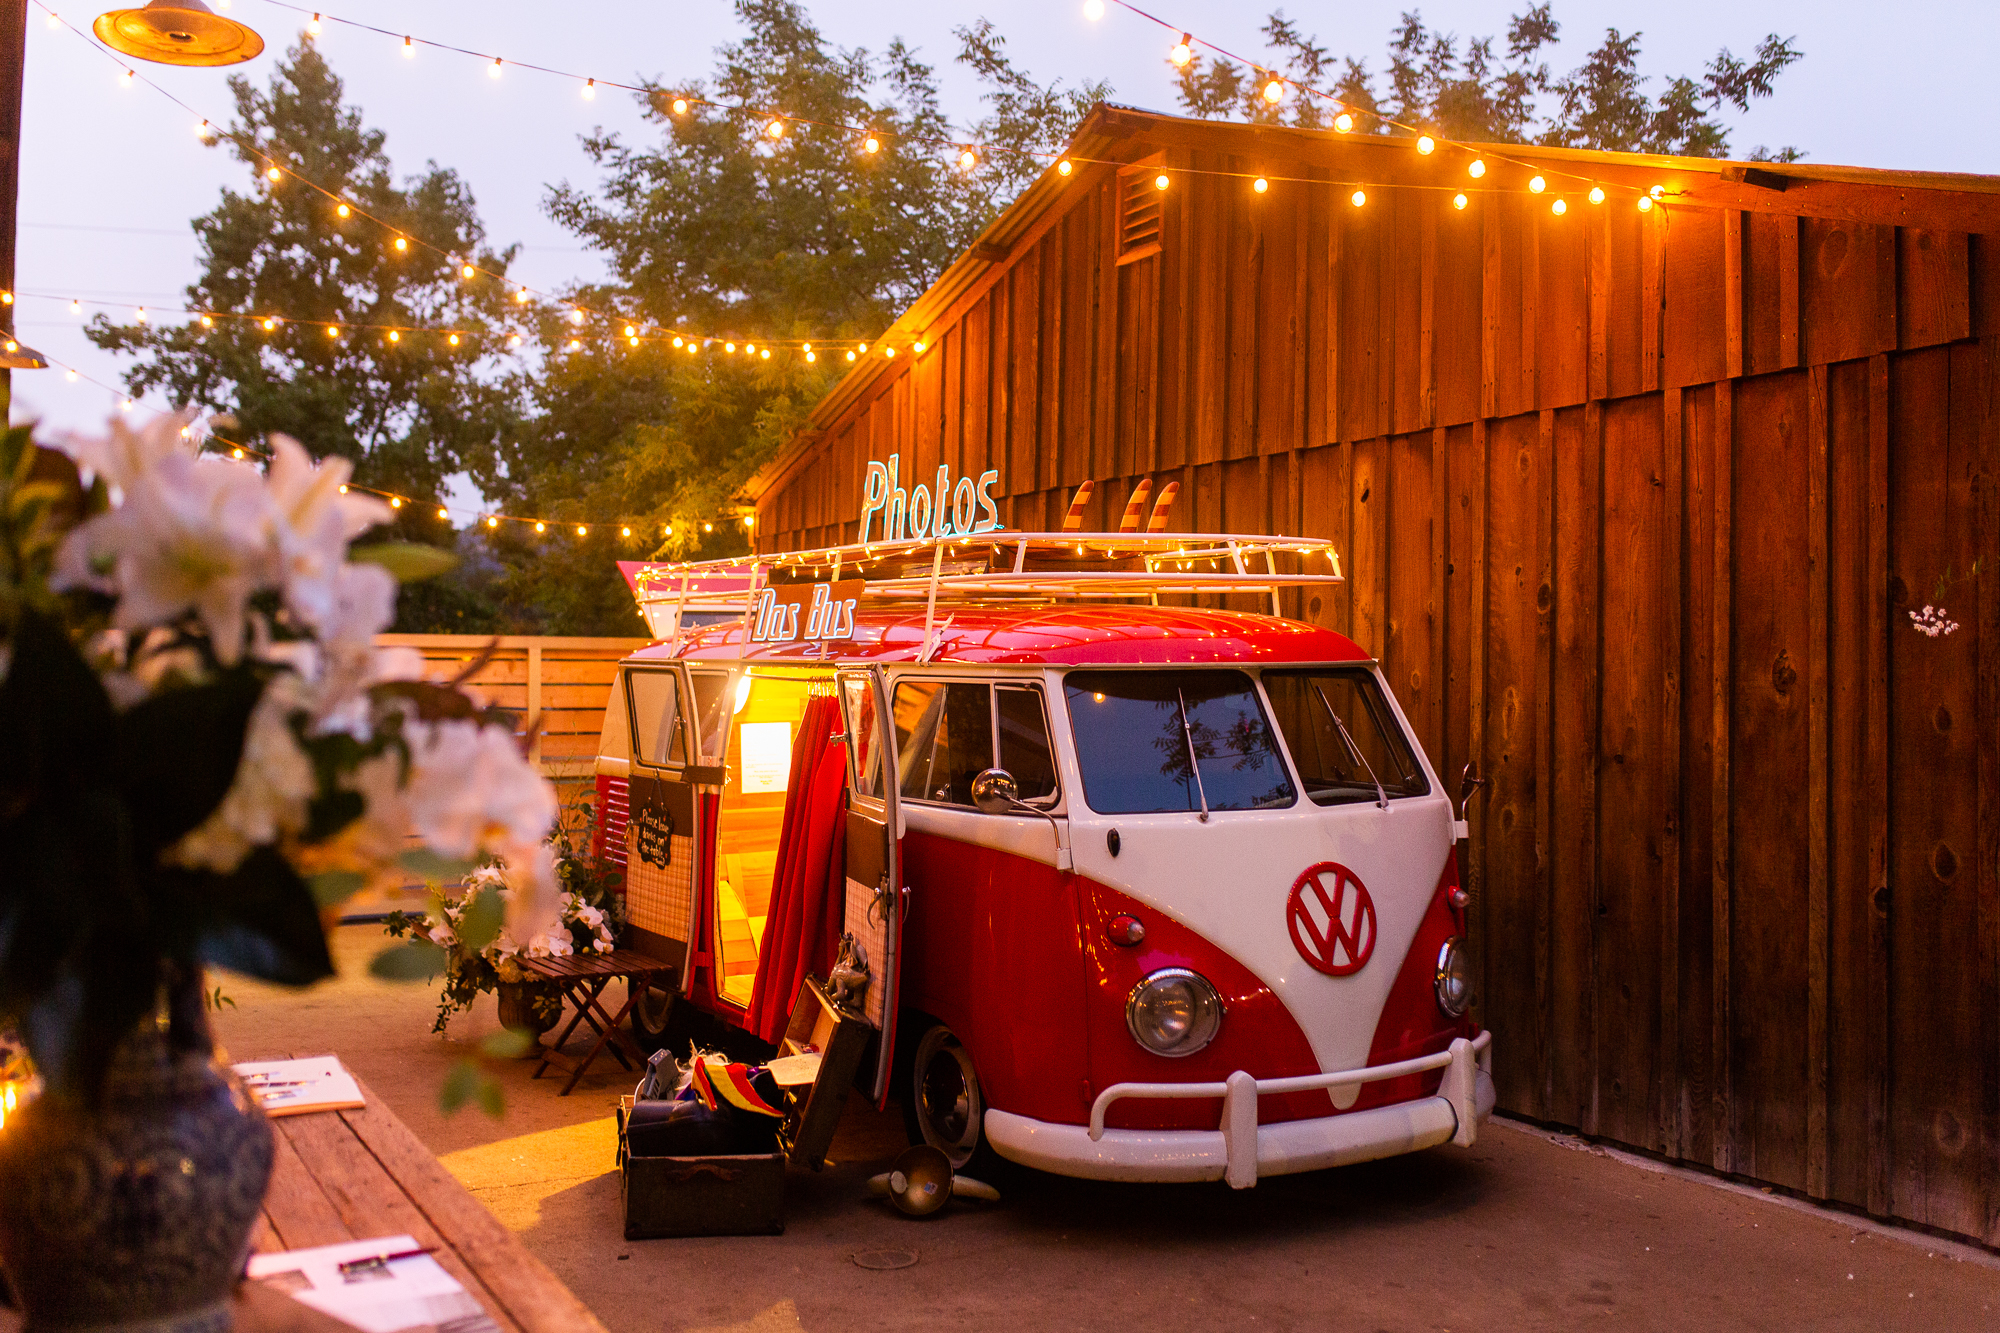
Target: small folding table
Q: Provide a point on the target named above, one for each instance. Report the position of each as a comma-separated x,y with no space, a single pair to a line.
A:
582,978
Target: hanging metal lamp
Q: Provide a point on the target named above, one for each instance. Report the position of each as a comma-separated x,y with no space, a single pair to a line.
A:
178,32
17,355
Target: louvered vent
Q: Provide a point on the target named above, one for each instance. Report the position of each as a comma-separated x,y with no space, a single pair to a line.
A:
1139,207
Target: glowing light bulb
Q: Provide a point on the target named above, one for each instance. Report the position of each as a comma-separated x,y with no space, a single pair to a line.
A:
1343,123
1426,145
919,348
270,325
395,502
678,340
776,129
343,488
806,347
272,173
514,340
1597,194
70,375
582,531
889,352
312,25
1274,91
1559,208
493,70
1063,168
1537,185
333,330
749,520
466,270
1459,201
589,89
1183,51
1260,185
749,349
234,453
1358,198
680,106
126,406
453,340
492,522
850,356
520,295
967,160
575,344
394,336
864,349
630,331
409,48
201,130
1093,9
76,307
541,527
1160,182
1645,203
343,210
1657,191
208,321
125,79
871,145
811,357
708,527
442,513
402,243
55,21
1477,169
766,354
729,347
624,532
670,530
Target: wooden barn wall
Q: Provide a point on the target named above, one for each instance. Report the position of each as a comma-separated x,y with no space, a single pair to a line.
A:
1634,509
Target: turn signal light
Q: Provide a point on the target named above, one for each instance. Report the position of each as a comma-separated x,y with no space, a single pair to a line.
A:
1125,931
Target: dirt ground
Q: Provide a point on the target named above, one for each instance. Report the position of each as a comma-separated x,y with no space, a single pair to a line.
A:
1524,1231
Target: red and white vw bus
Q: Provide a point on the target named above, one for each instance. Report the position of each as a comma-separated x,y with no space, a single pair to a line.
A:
1146,889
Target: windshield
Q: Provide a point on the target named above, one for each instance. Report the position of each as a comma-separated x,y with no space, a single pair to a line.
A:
1150,741
1342,736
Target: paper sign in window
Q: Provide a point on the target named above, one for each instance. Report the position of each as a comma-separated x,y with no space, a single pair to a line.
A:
767,756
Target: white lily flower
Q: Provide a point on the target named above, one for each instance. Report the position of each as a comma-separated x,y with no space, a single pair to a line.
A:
470,789
314,522
268,798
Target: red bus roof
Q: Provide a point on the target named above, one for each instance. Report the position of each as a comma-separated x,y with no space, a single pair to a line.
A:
1061,635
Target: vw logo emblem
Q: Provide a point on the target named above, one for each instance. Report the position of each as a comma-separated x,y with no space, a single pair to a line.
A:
1332,919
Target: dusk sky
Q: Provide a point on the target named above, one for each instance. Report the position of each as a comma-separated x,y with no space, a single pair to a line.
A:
110,176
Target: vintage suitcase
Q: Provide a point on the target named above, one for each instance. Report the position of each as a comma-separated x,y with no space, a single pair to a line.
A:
745,1195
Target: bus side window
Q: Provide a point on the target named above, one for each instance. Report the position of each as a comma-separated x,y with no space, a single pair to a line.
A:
712,697
1024,742
944,738
658,735
864,740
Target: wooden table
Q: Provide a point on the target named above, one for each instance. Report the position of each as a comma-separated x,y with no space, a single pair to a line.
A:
354,1175
582,977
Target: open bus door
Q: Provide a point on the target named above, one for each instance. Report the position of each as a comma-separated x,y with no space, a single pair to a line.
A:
876,895
662,842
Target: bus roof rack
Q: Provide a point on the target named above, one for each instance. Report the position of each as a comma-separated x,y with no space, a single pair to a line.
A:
1005,564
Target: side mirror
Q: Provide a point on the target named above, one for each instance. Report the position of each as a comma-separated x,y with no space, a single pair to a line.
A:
995,792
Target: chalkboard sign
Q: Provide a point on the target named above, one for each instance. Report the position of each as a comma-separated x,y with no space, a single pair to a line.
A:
653,835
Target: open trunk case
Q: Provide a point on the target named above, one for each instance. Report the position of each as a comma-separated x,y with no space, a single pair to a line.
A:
745,1195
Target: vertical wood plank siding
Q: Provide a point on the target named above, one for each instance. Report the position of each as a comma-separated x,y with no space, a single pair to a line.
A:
1634,509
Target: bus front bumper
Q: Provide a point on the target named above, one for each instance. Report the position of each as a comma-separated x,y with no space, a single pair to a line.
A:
1240,1150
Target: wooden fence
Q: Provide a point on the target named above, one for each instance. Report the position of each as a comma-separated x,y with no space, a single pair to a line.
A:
563,681
1636,510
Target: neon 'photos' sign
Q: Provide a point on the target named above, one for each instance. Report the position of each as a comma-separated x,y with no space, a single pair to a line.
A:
946,511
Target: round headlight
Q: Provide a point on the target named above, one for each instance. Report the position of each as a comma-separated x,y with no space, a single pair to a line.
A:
1174,1012
1454,978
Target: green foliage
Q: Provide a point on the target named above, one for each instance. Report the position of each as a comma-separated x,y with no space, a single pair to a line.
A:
1473,94
717,228
408,413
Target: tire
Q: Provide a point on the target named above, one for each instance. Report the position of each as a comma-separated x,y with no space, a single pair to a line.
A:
651,1018
944,1106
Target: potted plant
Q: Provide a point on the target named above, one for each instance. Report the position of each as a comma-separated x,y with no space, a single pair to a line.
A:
201,752
591,915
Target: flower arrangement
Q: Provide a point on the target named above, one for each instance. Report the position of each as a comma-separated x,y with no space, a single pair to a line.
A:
590,916
201,748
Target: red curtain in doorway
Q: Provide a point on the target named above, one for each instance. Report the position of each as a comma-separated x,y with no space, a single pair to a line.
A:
809,885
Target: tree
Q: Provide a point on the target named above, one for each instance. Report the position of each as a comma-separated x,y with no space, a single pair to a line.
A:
409,411
1471,94
721,228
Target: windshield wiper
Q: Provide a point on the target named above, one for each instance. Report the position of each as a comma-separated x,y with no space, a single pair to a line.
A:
1381,796
1194,764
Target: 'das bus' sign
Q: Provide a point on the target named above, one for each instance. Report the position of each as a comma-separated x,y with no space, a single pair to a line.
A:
949,511
804,612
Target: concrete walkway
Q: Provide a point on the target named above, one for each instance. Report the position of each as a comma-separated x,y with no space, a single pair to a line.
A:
1524,1231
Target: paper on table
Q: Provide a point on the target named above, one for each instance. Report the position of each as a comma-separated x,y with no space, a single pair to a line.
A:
293,1087
357,1283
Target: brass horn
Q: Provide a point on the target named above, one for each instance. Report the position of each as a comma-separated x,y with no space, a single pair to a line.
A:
920,1182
